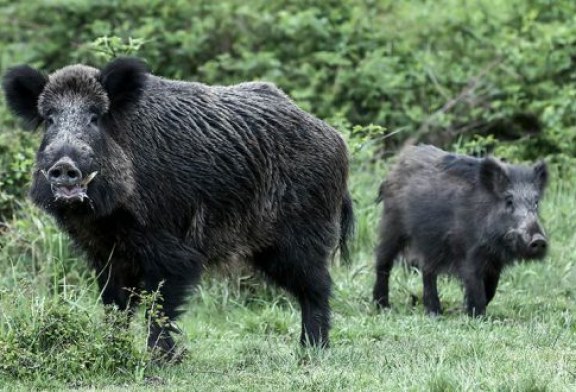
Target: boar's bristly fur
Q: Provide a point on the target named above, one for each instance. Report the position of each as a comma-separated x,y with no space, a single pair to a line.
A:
155,179
462,215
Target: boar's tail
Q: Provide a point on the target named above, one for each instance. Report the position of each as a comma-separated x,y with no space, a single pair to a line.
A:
380,197
346,226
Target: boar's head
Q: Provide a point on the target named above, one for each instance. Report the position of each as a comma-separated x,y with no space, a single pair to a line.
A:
80,164
513,213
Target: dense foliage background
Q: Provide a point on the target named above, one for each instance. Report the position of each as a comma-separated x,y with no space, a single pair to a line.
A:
436,71
478,76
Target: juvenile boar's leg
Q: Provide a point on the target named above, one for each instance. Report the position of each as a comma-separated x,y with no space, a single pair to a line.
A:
390,245
475,293
430,297
491,278
306,276
171,269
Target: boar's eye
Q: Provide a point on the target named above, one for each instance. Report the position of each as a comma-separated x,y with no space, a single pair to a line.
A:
93,119
50,120
509,203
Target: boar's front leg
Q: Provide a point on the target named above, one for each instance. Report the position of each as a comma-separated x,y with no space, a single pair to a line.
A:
171,268
117,279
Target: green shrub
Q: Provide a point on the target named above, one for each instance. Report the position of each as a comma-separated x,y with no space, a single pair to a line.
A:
54,341
16,161
489,67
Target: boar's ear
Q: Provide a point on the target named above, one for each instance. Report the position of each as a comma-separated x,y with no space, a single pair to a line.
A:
541,175
22,86
493,176
123,79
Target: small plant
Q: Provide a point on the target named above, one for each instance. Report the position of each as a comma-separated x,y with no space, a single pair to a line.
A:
54,341
16,162
109,47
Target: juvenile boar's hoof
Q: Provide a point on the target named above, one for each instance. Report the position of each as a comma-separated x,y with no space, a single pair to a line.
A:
314,341
381,303
321,344
476,313
434,312
380,299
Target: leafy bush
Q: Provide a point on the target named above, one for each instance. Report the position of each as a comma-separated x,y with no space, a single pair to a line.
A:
59,342
490,67
16,161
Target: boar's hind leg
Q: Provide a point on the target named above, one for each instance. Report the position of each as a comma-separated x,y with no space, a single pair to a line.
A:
391,243
305,275
171,269
430,297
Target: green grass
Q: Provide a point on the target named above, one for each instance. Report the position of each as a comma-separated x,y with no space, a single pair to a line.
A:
241,335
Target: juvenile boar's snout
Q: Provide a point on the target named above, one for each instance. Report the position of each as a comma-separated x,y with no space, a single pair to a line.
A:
538,244
64,172
535,242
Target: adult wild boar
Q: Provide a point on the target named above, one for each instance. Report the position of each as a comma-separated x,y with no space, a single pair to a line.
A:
155,179
462,215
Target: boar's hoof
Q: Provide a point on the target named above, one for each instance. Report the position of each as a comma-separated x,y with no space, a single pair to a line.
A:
163,348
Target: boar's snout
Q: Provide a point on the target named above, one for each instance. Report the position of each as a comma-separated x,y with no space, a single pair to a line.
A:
67,182
538,244
64,172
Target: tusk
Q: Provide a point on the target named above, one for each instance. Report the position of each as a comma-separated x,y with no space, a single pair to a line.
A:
44,174
89,178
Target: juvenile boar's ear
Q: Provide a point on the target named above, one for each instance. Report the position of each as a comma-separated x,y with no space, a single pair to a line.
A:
541,175
493,177
123,79
22,86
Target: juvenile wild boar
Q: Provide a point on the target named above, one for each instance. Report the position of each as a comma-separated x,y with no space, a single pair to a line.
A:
455,214
155,179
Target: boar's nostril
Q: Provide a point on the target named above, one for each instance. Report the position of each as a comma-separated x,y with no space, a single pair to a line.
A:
64,172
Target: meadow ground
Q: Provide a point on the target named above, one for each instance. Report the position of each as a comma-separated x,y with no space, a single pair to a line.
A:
241,335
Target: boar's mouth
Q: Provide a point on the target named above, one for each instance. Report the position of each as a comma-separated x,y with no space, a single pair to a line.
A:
70,193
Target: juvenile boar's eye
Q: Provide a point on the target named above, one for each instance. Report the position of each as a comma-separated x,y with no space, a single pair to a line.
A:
509,203
50,120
